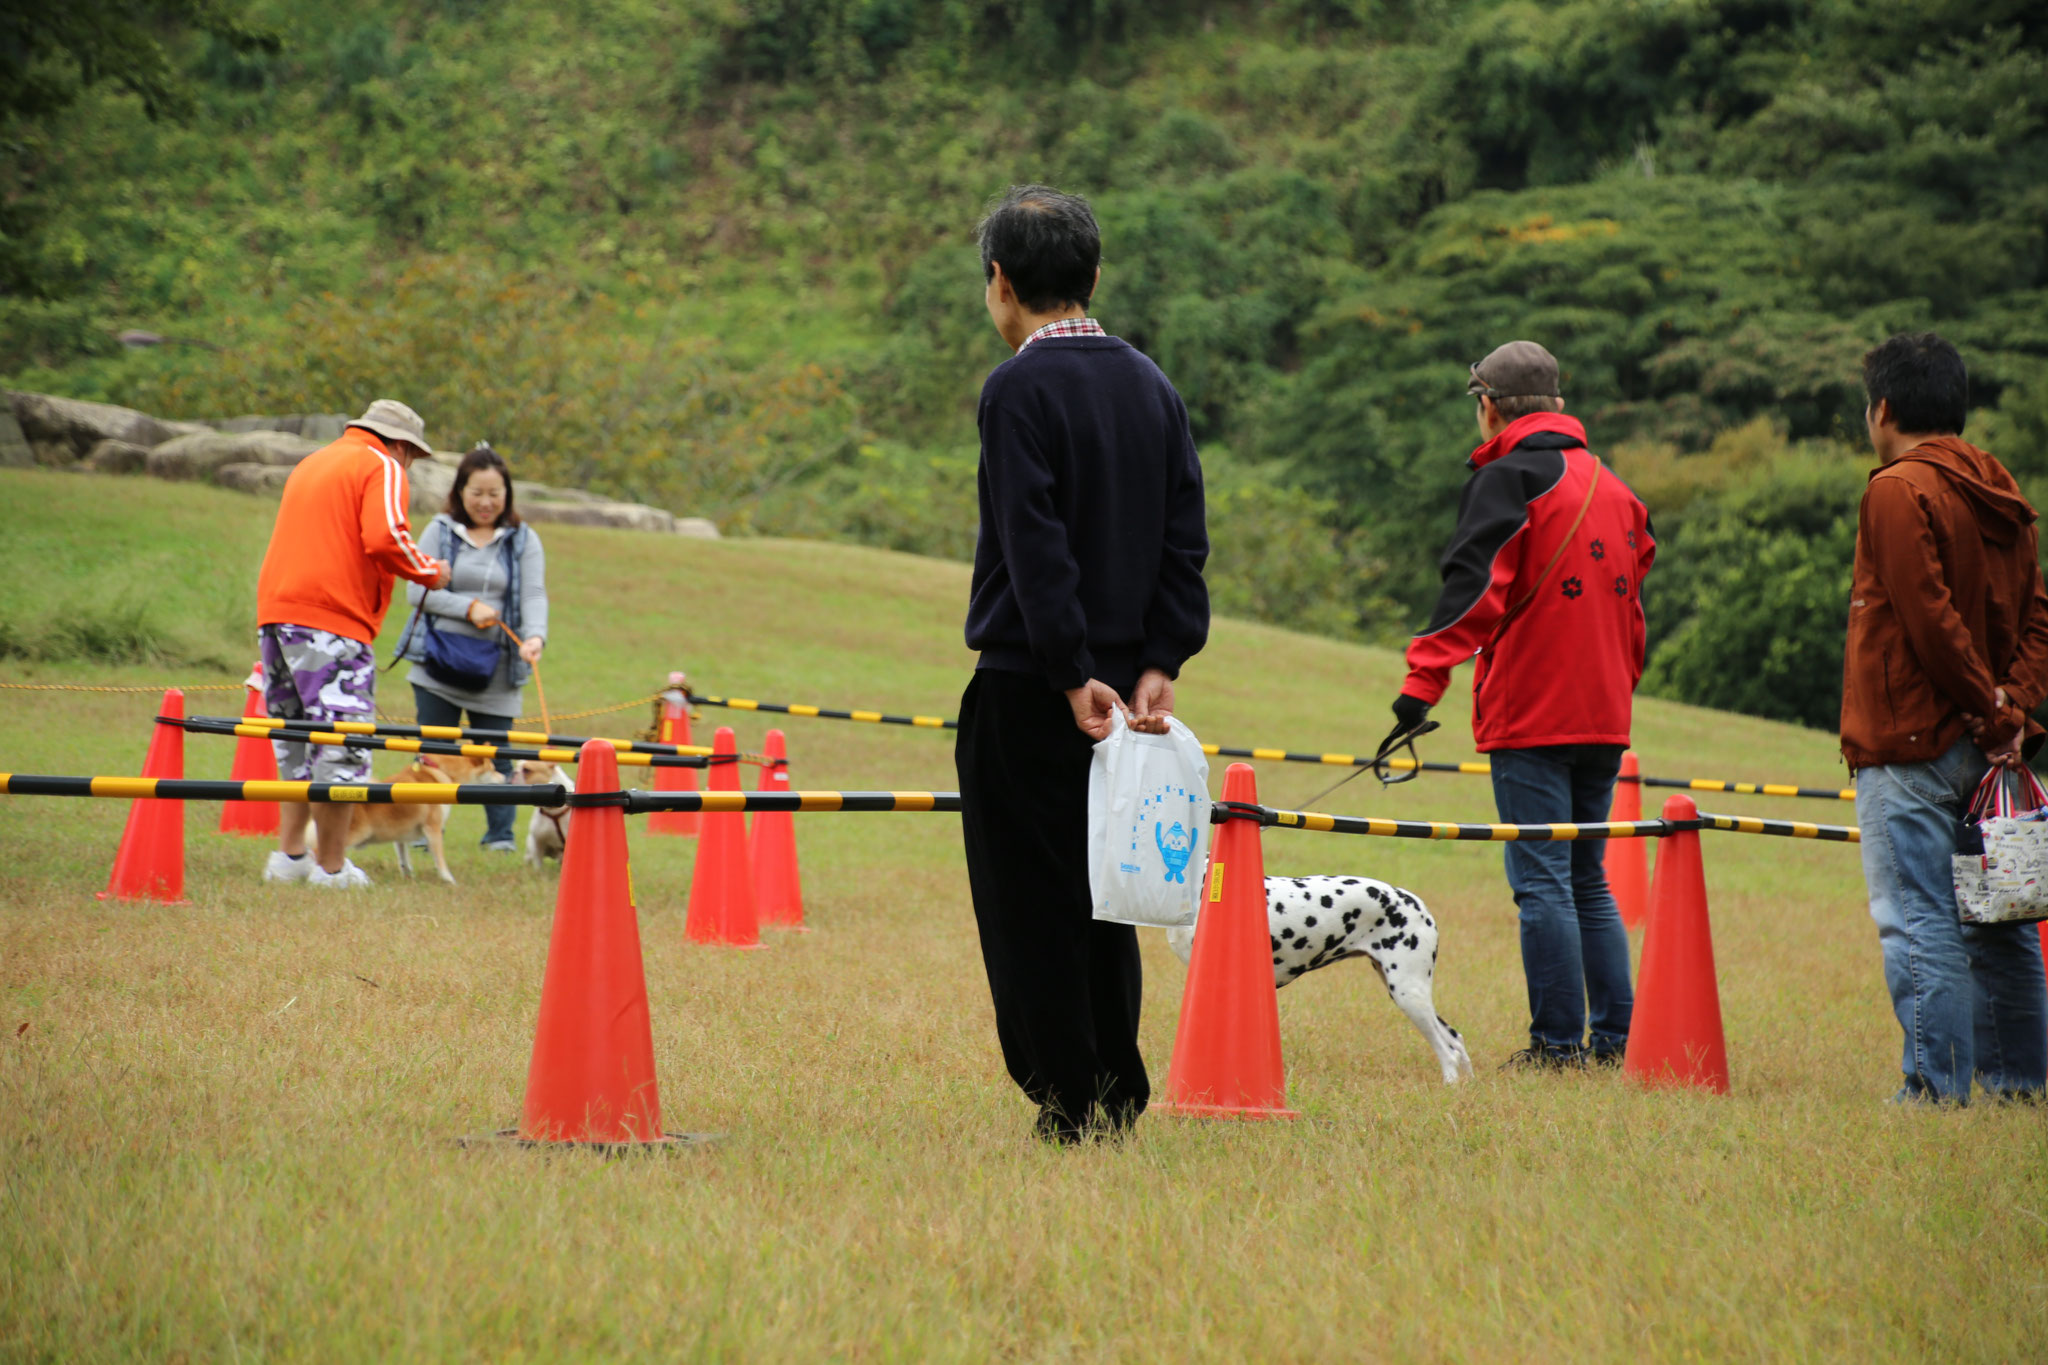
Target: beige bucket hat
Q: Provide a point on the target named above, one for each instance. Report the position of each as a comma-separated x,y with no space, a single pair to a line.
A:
395,421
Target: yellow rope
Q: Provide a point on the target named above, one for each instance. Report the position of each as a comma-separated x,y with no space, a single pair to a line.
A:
599,711
81,687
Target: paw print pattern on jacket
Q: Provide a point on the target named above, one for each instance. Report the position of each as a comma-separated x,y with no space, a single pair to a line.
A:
1599,550
1572,587
1621,585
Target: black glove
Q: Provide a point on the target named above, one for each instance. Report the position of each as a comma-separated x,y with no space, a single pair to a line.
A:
1409,713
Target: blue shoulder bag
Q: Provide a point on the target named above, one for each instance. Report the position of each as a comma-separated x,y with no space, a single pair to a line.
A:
465,662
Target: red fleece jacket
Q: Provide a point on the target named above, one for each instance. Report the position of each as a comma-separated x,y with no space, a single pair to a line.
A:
1565,669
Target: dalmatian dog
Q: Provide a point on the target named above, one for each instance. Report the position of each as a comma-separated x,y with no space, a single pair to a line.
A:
1315,921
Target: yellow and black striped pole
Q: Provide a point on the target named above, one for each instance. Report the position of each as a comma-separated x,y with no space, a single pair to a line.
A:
371,793
805,802
820,712
1470,768
1482,768
399,745
809,802
291,729
1552,833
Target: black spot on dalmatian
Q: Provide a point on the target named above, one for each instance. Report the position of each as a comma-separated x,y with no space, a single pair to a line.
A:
1351,881
1296,971
1309,920
1332,941
1397,919
1414,942
1276,962
1276,944
1326,902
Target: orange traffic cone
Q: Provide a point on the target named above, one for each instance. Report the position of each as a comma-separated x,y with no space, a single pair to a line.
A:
675,729
722,908
255,761
1628,860
771,847
150,865
592,1076
1226,1052
1676,1036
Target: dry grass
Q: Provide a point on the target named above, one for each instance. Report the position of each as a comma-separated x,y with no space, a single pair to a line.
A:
226,1129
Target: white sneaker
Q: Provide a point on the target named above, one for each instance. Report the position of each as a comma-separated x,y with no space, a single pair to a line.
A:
350,878
282,867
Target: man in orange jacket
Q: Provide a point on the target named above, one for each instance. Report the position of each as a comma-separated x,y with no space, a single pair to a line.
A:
1947,657
320,600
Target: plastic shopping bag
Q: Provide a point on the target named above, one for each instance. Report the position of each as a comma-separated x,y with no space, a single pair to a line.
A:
2001,861
1148,825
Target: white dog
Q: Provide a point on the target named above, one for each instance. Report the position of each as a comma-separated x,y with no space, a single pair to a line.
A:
547,829
1315,921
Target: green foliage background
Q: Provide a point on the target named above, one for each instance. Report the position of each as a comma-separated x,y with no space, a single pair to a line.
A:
716,254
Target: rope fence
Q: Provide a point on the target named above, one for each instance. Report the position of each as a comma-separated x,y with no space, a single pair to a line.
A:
151,691
239,687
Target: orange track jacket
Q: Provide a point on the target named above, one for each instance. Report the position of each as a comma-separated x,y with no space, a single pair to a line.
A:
339,537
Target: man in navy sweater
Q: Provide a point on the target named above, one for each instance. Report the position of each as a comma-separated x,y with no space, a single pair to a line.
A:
1087,597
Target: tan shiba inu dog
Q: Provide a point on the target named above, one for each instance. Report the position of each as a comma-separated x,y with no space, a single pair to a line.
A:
400,825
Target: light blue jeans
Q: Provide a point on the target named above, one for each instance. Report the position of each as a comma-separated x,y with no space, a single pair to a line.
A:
1970,998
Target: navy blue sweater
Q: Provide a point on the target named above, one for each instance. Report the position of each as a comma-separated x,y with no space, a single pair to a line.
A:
1093,537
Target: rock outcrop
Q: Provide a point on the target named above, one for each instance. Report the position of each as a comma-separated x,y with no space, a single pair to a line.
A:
197,456
62,431
257,454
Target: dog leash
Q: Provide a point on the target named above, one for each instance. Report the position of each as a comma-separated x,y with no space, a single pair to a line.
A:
538,685
1378,767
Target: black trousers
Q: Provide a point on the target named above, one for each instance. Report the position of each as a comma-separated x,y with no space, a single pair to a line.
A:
1067,987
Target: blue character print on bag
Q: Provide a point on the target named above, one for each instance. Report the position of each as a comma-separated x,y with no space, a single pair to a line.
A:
1176,845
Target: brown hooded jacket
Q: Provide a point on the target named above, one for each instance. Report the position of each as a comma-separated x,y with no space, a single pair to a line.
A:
1947,605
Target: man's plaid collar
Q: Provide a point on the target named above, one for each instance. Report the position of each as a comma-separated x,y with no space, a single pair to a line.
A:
1067,327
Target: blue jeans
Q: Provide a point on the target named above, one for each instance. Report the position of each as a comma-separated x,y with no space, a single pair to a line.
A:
434,709
1574,948
1969,997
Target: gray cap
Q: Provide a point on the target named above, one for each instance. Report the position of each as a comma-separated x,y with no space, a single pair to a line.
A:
1520,369
394,421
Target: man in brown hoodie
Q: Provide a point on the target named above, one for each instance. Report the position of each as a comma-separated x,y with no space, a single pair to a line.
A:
1947,658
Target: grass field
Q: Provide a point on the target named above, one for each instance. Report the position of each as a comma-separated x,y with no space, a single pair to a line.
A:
226,1127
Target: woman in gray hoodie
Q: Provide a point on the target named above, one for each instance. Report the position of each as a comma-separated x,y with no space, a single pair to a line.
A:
498,573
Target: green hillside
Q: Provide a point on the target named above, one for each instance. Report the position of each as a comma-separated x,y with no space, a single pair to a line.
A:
715,254
228,1125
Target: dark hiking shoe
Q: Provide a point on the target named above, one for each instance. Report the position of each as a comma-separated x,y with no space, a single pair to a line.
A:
1542,1057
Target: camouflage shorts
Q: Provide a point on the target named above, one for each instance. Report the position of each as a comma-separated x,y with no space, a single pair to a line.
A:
313,674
